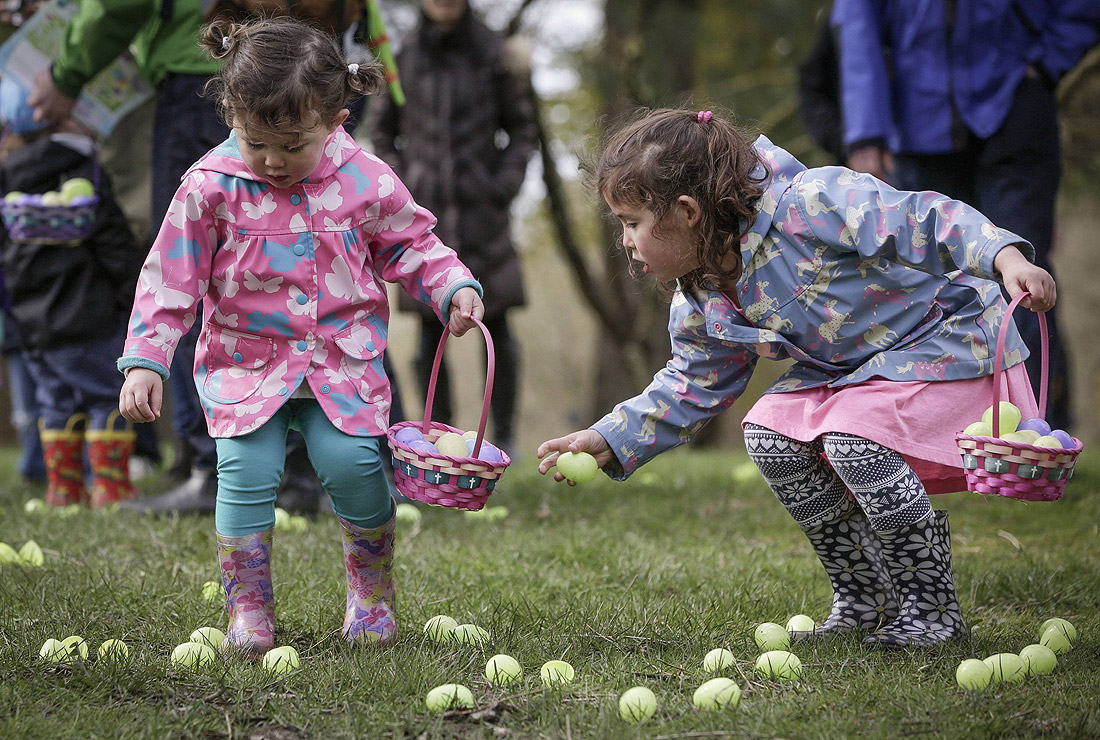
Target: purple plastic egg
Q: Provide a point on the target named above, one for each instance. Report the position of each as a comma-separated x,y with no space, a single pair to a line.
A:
490,454
82,200
1065,438
408,435
1035,424
423,445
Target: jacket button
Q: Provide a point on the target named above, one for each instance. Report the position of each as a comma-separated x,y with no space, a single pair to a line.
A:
283,391
302,299
295,199
299,250
238,357
325,388
302,344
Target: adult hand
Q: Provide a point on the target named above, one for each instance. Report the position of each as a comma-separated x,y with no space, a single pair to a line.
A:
49,103
142,395
466,306
1019,275
872,159
586,440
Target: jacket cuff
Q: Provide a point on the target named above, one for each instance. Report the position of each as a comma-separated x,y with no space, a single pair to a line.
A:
127,362
992,248
445,304
68,84
617,468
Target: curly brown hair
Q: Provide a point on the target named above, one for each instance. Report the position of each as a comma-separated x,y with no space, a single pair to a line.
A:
282,75
663,154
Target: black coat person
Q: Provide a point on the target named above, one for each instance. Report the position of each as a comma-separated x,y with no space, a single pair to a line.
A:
461,143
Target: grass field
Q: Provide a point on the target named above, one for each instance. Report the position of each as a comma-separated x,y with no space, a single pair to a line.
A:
631,583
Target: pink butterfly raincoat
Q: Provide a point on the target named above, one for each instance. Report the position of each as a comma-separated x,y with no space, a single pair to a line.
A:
291,286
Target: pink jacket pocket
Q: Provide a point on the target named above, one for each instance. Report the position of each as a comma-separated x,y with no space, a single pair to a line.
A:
361,360
236,364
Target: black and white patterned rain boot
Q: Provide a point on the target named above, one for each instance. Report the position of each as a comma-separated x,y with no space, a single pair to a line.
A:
863,594
918,558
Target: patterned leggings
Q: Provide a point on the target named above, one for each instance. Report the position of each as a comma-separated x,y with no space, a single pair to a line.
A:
812,479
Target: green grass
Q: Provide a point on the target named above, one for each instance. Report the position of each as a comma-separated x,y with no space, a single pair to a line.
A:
631,583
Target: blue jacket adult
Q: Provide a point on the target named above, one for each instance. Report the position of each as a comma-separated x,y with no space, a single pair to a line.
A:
912,70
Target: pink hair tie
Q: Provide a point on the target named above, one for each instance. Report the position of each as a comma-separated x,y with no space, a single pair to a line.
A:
704,116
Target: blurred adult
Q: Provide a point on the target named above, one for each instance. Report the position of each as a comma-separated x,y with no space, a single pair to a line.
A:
962,92
461,143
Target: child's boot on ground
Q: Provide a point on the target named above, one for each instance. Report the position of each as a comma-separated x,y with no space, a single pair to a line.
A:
368,559
863,595
250,601
918,557
63,450
109,451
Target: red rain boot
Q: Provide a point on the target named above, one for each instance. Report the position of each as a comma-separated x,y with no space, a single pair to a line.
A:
109,451
63,451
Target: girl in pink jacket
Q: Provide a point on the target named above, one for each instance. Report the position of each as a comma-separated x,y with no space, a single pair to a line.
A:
282,236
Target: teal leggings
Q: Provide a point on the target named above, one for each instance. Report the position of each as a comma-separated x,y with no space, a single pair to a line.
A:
251,466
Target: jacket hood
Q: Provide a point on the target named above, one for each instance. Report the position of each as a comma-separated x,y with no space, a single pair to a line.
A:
226,159
783,168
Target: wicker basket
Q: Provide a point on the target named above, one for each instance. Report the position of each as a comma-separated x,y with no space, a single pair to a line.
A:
61,225
1014,469
438,479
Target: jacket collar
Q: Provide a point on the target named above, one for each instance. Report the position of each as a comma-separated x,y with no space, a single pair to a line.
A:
226,158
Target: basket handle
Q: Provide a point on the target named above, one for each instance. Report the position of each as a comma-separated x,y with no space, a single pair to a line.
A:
490,373
999,361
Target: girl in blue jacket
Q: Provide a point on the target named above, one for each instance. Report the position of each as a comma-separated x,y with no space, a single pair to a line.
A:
888,305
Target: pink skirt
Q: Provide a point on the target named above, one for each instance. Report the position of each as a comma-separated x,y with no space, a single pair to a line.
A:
917,419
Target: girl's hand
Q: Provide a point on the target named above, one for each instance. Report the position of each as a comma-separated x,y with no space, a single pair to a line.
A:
466,306
586,440
1019,275
142,395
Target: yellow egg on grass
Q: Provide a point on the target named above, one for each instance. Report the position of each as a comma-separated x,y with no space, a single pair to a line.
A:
556,673
718,659
192,655
637,704
1039,660
449,696
973,674
771,636
1056,640
1009,417
53,651
407,514
717,693
1007,668
779,665
282,519
1063,625
440,628
31,554
75,646
469,634
113,651
452,445
579,467
34,506
502,670
211,636
8,554
800,623
281,660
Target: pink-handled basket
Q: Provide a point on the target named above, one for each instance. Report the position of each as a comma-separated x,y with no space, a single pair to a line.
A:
1015,469
438,479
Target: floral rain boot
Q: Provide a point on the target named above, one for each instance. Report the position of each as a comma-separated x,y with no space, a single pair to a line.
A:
250,601
918,557
109,451
63,451
368,559
863,595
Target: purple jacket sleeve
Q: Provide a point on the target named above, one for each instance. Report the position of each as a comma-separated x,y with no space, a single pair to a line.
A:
864,80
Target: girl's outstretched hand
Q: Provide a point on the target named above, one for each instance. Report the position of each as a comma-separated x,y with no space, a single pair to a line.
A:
586,440
1019,275
142,395
466,306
